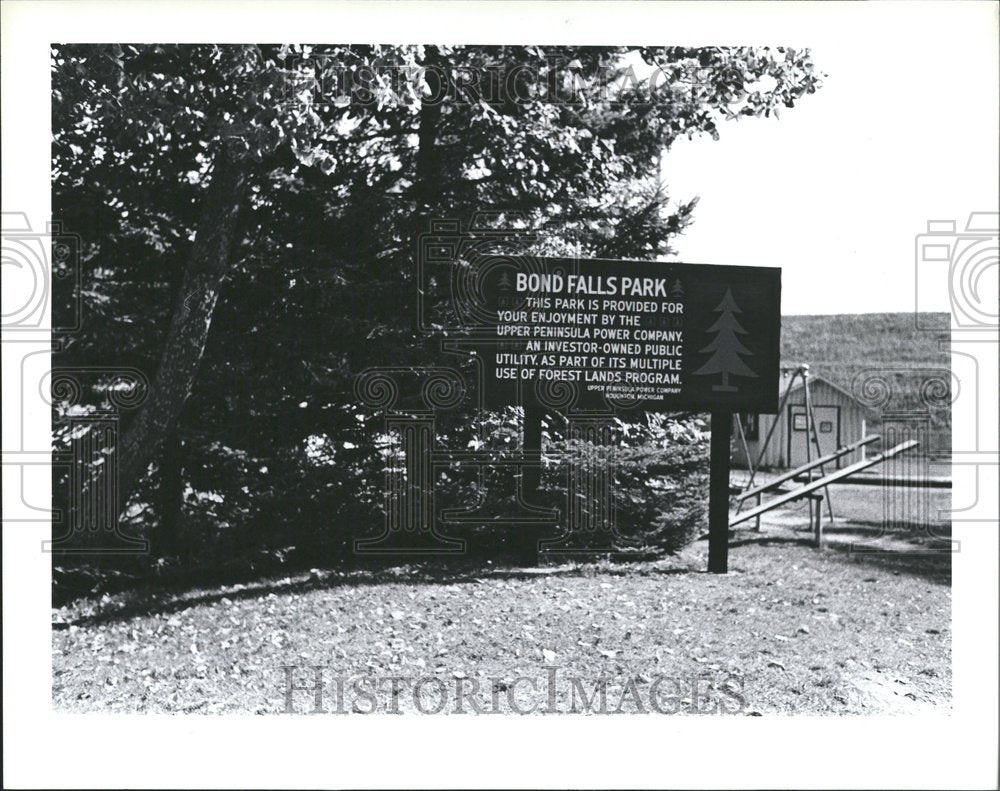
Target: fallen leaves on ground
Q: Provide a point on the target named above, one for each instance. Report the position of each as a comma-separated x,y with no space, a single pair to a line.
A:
804,631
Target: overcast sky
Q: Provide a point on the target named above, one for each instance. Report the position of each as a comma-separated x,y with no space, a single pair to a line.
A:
903,131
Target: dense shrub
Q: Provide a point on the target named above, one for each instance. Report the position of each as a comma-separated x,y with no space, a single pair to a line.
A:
659,478
241,513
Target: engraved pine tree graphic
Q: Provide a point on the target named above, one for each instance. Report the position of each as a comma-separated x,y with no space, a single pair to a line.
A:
726,346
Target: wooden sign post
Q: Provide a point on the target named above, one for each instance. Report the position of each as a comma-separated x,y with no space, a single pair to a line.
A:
718,494
531,473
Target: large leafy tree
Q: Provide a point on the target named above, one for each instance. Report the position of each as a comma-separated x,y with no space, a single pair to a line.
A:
296,179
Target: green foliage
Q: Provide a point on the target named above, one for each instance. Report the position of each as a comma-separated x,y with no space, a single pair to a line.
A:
352,151
658,470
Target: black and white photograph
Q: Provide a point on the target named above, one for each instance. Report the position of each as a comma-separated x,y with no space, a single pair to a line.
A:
611,384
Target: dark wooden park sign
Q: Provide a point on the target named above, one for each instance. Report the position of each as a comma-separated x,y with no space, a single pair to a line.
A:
648,334
625,335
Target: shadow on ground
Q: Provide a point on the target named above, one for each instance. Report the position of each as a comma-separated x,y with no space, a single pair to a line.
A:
140,603
916,553
912,554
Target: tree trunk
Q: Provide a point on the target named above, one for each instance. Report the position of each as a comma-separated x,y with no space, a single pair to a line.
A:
427,181
171,496
189,325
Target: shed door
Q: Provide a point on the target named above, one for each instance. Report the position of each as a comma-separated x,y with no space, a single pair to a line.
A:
827,428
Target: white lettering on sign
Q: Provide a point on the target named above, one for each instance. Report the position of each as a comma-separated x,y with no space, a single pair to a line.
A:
638,332
591,285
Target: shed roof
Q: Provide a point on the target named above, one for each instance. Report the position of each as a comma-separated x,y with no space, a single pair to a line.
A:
789,382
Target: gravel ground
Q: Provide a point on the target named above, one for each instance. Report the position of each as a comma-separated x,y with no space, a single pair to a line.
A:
788,630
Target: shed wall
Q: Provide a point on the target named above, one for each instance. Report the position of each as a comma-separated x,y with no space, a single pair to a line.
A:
852,427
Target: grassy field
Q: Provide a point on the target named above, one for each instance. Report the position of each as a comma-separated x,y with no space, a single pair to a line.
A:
841,347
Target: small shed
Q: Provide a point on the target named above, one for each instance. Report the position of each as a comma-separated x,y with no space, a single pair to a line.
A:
840,420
